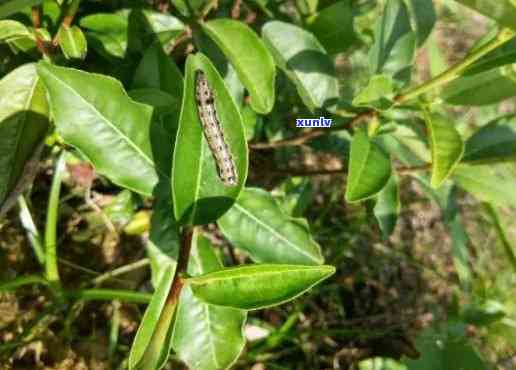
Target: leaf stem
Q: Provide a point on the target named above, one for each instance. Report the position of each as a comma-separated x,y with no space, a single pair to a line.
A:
456,70
51,270
109,295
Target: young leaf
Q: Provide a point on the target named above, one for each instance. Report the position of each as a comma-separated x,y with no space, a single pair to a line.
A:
494,142
305,62
256,224
107,33
10,30
447,147
94,114
252,287
333,27
72,42
387,207
369,168
199,194
378,94
215,330
502,11
251,59
23,125
153,340
393,50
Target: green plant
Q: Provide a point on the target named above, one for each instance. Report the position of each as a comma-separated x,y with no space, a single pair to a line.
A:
114,84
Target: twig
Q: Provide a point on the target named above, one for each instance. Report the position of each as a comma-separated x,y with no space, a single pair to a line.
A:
182,264
343,170
309,135
235,10
121,270
36,22
67,19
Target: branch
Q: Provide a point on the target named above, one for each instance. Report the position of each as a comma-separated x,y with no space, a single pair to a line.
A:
68,19
182,265
343,170
36,22
312,134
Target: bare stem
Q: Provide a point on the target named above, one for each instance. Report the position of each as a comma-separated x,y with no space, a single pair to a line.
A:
182,265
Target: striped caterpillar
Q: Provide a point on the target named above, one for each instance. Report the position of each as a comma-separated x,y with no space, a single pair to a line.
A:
213,130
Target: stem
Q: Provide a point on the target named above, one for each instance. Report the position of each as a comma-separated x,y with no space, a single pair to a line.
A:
455,71
343,170
36,22
121,270
32,231
182,265
22,281
312,134
109,295
502,234
51,270
68,18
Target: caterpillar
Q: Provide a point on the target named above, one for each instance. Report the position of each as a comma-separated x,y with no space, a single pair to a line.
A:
212,129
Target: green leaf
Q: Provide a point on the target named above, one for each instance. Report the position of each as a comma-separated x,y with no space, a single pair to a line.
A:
23,125
216,331
251,59
94,114
305,62
378,94
447,147
501,56
252,287
369,168
494,184
333,27
494,142
157,70
164,27
496,85
107,33
153,340
72,42
163,244
199,195
502,11
259,226
393,50
9,7
387,207
10,30
423,12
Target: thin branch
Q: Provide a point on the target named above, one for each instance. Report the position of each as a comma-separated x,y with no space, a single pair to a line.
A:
121,270
302,172
182,265
36,22
68,18
312,134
